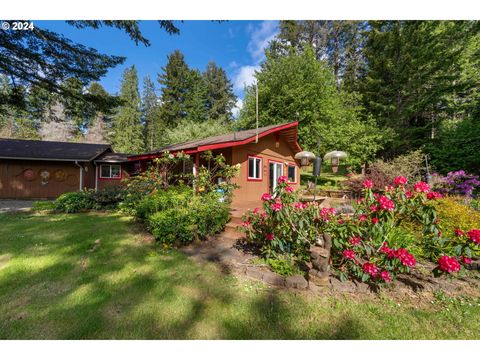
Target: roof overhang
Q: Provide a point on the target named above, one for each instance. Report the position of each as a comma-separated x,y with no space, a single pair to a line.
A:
42,159
292,140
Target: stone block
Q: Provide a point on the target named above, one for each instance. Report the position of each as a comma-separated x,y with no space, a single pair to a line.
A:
273,279
343,286
296,282
254,272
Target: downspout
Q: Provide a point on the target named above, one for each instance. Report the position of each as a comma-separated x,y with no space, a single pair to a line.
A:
81,174
96,177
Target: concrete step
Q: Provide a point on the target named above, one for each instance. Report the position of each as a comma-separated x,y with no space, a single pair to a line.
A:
232,232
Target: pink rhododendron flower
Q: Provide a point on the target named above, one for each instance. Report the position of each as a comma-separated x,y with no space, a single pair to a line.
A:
266,197
277,206
326,212
421,187
355,240
371,269
458,232
300,205
270,237
408,194
282,179
433,195
405,257
448,264
385,203
375,220
246,223
349,254
289,189
373,208
362,217
466,260
367,184
385,275
388,251
400,180
256,210
474,235
388,188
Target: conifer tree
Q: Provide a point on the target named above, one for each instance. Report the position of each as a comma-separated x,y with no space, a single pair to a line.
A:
126,123
220,99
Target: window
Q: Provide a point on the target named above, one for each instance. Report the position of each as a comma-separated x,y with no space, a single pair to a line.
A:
110,171
254,168
292,178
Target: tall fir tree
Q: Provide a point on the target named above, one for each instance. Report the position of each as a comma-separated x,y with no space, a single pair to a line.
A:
220,99
151,114
127,129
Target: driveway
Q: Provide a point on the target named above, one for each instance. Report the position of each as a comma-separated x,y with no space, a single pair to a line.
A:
15,205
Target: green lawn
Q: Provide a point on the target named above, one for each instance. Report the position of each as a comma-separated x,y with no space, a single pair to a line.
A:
57,283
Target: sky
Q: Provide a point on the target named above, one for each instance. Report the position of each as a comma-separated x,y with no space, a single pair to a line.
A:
236,46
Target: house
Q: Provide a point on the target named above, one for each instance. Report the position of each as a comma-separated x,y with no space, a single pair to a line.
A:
34,169
44,169
264,155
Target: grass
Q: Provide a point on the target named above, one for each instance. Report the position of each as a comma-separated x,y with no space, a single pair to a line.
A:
327,180
95,276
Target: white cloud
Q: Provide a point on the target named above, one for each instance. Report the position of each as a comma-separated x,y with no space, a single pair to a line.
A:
244,76
260,36
233,64
237,108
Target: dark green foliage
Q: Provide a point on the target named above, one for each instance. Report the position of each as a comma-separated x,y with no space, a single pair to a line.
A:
127,127
163,200
220,98
182,223
105,199
151,115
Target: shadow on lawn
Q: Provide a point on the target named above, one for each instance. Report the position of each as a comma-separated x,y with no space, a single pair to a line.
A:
124,288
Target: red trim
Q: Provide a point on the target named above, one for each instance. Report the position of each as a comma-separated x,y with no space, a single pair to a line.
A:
274,162
109,178
227,144
296,170
261,167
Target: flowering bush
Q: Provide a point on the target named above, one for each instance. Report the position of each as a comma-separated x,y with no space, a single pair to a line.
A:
458,183
365,244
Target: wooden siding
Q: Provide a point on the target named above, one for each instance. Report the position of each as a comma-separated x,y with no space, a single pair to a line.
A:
15,182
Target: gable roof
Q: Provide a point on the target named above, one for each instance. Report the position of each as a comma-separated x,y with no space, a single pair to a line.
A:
289,130
50,150
112,157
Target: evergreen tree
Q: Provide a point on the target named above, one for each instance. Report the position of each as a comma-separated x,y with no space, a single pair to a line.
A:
300,87
126,123
176,82
220,99
151,114
195,98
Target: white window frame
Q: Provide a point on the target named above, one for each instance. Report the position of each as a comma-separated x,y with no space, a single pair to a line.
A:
110,177
259,176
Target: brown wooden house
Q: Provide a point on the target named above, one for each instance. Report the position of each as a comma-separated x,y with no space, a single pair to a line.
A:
31,169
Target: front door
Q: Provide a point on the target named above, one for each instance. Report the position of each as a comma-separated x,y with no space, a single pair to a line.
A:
275,170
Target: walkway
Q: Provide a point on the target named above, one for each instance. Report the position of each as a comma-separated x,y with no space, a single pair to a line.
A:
15,205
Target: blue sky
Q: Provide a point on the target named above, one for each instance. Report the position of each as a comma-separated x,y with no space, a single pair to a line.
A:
237,46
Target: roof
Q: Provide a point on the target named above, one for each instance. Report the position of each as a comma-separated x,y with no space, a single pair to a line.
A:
289,130
50,150
113,157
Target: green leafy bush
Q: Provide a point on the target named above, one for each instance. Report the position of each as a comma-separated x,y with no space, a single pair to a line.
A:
74,202
186,221
107,198
283,265
178,196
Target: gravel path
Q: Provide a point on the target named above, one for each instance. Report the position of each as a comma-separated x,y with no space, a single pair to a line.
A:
15,205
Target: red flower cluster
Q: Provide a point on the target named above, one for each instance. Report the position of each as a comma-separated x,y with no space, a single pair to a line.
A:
270,237
326,212
349,254
385,275
266,197
375,220
282,179
433,195
408,194
277,206
367,184
246,223
355,240
448,264
474,235
401,254
421,187
458,232
373,208
371,269
300,205
400,180
466,260
385,203
289,189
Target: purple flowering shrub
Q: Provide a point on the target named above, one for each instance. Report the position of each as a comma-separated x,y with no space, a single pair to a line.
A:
458,183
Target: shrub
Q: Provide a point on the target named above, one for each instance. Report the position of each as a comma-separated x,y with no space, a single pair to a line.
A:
162,200
107,198
458,183
283,265
453,214
196,219
74,202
